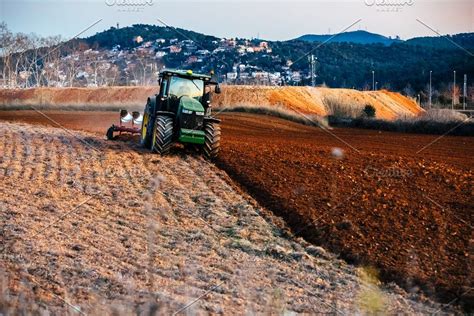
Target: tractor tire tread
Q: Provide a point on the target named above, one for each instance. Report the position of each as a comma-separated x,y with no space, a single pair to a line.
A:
163,134
212,140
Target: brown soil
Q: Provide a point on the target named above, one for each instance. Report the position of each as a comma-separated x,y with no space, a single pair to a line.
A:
366,195
379,203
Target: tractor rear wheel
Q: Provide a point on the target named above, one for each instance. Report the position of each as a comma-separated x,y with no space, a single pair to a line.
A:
213,140
163,134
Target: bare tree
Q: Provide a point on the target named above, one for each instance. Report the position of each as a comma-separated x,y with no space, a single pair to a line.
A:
7,48
71,69
112,75
470,94
51,60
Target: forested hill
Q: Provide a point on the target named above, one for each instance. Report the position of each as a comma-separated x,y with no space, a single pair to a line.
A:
126,36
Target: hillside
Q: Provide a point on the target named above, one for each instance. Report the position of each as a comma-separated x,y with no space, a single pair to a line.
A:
126,36
389,105
358,37
465,40
133,56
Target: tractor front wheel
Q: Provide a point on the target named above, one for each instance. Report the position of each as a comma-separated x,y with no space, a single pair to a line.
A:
163,134
146,130
212,141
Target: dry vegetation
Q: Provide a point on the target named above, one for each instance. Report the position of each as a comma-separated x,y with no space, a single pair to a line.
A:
315,101
440,116
430,122
340,108
106,227
280,112
320,101
106,98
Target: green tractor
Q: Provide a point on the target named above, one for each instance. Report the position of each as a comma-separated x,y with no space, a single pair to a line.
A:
181,113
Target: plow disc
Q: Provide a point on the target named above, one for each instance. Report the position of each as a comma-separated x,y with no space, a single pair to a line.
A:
130,123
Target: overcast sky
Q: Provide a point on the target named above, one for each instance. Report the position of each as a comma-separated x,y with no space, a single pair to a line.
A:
273,20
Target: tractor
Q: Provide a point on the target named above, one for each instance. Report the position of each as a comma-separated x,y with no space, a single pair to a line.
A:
181,113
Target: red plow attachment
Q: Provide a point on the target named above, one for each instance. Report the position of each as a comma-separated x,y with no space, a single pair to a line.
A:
129,123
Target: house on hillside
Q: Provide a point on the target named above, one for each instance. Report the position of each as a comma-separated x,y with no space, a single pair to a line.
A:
241,50
244,75
138,39
174,49
260,75
115,48
218,50
82,74
231,75
192,59
146,44
296,76
230,42
203,52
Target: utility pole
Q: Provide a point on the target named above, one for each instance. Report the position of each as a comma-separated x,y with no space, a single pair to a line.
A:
465,93
373,80
312,69
431,92
454,90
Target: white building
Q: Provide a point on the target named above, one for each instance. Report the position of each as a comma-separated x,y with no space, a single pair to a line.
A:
231,75
296,76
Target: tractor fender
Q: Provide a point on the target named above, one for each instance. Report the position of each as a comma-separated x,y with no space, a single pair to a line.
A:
152,103
211,119
165,113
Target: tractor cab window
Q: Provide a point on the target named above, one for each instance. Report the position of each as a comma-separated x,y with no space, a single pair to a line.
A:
164,86
186,87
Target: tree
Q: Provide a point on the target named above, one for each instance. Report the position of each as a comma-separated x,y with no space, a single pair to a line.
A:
454,90
369,111
408,90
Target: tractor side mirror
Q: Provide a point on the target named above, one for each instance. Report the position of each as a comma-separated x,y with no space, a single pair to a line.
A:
218,89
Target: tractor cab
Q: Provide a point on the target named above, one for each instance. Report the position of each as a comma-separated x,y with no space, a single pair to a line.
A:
175,85
181,112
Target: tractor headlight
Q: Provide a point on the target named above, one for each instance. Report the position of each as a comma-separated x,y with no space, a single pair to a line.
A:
200,113
187,111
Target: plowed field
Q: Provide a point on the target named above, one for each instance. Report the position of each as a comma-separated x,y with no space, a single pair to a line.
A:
93,227
400,203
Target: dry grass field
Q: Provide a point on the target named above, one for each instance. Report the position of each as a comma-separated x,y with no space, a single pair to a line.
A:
315,101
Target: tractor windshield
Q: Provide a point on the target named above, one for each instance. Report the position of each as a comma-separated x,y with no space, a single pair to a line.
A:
186,87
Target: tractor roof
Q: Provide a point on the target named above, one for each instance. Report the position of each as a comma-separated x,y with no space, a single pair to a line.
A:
185,73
